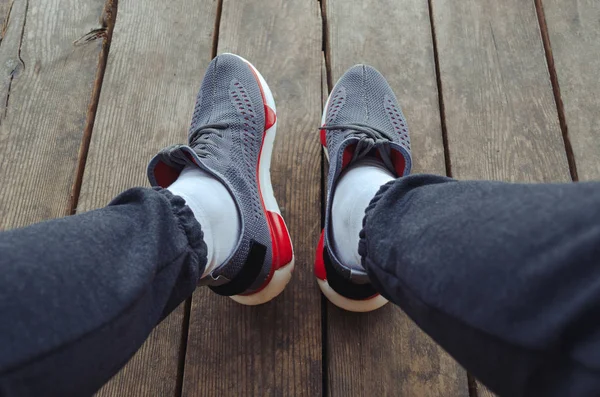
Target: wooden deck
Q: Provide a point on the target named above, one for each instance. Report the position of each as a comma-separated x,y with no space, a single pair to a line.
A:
504,90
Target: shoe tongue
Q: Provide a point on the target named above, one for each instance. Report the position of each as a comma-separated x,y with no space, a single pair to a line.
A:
178,157
373,155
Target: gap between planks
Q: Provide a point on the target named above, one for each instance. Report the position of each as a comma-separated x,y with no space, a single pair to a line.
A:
185,327
438,77
326,44
12,75
107,22
539,8
325,89
326,86
215,43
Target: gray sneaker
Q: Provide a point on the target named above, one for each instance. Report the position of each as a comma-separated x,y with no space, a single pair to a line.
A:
362,118
231,137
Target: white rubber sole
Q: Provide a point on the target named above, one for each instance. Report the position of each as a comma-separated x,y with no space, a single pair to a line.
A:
281,277
351,305
279,281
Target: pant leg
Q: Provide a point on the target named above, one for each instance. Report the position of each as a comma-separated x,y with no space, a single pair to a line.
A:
79,295
505,277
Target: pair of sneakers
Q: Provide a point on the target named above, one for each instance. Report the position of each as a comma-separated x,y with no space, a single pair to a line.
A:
231,138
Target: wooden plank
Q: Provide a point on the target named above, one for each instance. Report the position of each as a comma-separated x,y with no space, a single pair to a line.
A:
396,357
501,118
46,88
157,57
575,43
273,349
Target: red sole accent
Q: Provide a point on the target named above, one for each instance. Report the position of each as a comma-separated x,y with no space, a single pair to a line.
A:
281,246
281,243
319,262
323,138
320,271
270,117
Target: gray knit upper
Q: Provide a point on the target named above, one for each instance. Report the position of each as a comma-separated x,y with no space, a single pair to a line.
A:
361,98
225,139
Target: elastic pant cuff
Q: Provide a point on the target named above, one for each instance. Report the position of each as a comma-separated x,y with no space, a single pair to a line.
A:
189,224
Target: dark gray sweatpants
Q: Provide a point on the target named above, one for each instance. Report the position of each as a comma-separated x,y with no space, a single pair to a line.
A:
506,277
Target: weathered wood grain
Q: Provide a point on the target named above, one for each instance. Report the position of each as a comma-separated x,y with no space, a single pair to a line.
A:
157,57
46,88
501,119
273,349
383,352
574,34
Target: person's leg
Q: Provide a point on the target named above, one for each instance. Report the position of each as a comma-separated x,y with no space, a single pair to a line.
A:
505,277
79,295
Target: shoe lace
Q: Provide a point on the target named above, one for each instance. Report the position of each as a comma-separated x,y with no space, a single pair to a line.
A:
204,136
369,138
